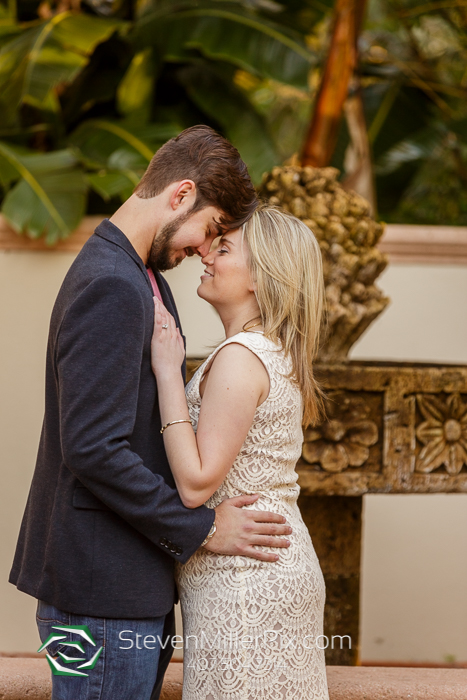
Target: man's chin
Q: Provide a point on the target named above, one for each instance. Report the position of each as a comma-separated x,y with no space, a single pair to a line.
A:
176,262
169,264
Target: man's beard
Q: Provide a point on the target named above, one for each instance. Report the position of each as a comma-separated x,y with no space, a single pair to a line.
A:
161,256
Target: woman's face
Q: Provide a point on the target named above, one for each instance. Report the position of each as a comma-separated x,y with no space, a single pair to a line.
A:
227,279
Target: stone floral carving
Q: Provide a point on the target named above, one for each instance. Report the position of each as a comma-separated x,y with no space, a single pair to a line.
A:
344,439
443,434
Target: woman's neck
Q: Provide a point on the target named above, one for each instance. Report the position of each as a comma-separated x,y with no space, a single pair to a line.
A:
237,320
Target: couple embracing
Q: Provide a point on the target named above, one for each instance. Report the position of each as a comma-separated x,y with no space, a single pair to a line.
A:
144,490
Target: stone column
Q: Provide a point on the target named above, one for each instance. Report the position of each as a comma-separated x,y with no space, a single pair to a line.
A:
335,523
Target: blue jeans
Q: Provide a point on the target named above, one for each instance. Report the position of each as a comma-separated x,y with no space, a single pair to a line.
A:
130,666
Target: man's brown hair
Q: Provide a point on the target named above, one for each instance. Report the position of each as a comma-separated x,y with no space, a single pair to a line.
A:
220,175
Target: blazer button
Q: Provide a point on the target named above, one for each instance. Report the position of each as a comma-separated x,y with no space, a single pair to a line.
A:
163,541
179,550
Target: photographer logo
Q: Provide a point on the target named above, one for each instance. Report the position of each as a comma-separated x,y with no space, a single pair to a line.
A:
82,631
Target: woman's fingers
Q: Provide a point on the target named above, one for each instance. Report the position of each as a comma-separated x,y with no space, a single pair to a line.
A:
164,316
180,340
166,333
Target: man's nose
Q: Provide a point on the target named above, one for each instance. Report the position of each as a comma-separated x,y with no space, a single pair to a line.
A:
204,249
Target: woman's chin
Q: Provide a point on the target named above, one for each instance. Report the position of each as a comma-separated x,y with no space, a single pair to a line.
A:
201,292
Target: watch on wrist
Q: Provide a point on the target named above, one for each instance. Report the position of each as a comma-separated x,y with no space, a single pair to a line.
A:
210,534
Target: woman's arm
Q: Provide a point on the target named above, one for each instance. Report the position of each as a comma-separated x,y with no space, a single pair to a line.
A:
236,384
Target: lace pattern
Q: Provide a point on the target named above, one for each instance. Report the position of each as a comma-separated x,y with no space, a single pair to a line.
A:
252,629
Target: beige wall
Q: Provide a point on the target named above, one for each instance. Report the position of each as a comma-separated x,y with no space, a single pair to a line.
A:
414,554
414,573
28,285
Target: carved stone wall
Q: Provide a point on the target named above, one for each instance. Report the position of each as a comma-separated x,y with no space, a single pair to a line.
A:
399,428
390,428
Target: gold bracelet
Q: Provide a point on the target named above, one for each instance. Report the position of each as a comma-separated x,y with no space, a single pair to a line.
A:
210,534
185,420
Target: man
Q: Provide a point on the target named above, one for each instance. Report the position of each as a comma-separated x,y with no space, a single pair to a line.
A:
104,523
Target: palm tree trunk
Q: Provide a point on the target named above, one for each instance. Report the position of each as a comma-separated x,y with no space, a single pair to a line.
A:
340,65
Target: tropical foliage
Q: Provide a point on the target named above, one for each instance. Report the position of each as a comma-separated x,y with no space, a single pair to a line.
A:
86,97
417,102
88,92
412,81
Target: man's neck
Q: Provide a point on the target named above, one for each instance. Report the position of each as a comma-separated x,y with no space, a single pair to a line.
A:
137,220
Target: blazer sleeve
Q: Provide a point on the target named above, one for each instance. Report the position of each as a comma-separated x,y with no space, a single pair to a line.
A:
98,359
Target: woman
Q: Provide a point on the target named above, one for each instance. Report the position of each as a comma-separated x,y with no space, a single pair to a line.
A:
252,628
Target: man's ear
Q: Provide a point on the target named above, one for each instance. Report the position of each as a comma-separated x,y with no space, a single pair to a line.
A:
183,195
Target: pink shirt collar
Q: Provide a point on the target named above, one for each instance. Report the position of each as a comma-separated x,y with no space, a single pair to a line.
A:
154,285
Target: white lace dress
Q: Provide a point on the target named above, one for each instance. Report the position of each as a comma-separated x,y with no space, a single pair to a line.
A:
252,629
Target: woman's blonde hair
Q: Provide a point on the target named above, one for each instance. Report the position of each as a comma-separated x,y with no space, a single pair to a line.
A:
285,262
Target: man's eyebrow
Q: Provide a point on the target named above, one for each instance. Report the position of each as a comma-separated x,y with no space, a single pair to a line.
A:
218,230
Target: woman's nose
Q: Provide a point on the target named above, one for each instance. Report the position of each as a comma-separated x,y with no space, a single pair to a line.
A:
207,258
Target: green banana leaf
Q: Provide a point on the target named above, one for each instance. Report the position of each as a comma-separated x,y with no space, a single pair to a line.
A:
218,97
13,64
49,198
112,184
49,54
61,50
229,33
99,140
135,93
119,152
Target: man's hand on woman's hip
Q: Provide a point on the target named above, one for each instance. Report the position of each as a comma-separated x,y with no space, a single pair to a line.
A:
238,529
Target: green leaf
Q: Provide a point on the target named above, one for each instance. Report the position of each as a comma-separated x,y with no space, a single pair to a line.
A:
417,147
13,64
44,56
136,91
109,185
50,197
99,139
242,125
61,49
8,173
234,35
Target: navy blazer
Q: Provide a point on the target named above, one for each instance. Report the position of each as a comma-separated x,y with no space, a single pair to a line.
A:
104,523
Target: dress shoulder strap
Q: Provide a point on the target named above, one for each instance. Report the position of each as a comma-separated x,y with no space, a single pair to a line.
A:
255,341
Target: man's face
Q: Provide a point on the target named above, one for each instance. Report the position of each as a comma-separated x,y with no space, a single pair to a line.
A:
188,234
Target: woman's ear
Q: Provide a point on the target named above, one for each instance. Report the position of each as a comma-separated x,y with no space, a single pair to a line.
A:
253,287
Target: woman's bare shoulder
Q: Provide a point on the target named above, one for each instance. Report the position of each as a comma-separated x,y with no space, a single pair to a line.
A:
238,366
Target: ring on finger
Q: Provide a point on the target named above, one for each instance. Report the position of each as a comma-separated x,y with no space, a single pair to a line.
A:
165,326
